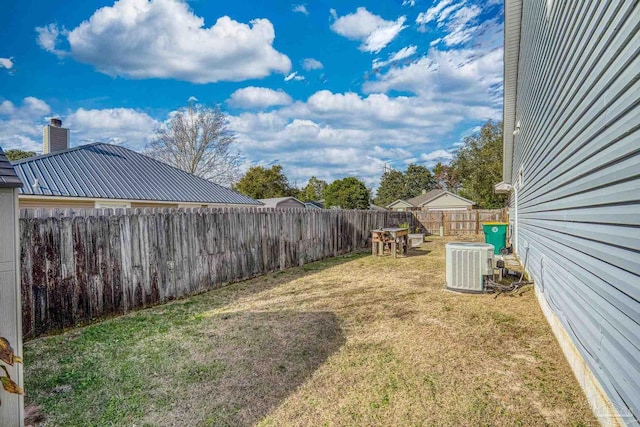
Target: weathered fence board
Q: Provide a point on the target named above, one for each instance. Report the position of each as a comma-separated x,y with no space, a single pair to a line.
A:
457,222
82,265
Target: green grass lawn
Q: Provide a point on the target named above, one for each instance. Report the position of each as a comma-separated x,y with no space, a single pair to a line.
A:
354,340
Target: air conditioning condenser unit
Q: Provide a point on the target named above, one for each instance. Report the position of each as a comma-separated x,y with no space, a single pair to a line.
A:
467,264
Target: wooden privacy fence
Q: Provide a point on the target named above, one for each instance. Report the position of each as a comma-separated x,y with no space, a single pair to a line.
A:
82,265
457,222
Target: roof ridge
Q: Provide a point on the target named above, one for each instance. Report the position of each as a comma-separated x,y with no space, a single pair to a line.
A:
439,190
67,150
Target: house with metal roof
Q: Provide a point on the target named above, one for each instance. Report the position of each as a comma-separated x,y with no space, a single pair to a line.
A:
434,200
572,170
111,176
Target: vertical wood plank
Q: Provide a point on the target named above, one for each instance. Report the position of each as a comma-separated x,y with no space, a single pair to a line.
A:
78,266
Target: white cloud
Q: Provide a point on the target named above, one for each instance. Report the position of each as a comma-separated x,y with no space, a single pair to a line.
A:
258,97
404,53
165,39
21,125
466,77
7,107
300,8
409,3
457,19
459,26
30,107
311,64
373,31
432,13
124,126
436,155
293,76
6,63
48,38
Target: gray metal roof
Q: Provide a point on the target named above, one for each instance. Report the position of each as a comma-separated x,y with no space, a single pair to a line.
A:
113,172
8,177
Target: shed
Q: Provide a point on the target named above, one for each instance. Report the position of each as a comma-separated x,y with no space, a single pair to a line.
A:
12,408
282,203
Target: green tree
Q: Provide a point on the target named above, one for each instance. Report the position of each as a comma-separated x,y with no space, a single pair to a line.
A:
445,177
396,185
347,193
478,165
314,190
16,154
391,188
262,183
416,179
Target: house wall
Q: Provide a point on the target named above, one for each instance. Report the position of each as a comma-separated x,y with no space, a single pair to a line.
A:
33,203
578,197
447,201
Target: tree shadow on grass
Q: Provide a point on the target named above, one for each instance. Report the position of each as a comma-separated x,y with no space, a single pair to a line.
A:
244,364
188,362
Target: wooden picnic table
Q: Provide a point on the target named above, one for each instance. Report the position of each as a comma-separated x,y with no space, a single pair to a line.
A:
396,238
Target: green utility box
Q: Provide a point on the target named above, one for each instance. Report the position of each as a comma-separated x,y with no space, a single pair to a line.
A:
495,233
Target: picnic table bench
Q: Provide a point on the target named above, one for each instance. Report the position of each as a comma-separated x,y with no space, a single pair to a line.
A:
396,239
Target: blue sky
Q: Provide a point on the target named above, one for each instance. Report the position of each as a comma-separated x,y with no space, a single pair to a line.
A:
325,88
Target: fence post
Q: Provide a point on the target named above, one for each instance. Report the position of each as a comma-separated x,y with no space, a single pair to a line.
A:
477,221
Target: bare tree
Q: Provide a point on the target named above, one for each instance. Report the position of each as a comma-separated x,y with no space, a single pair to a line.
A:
197,139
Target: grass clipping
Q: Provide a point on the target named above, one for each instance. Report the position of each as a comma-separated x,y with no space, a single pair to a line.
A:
355,340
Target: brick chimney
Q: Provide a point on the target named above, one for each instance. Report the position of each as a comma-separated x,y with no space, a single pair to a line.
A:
54,137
